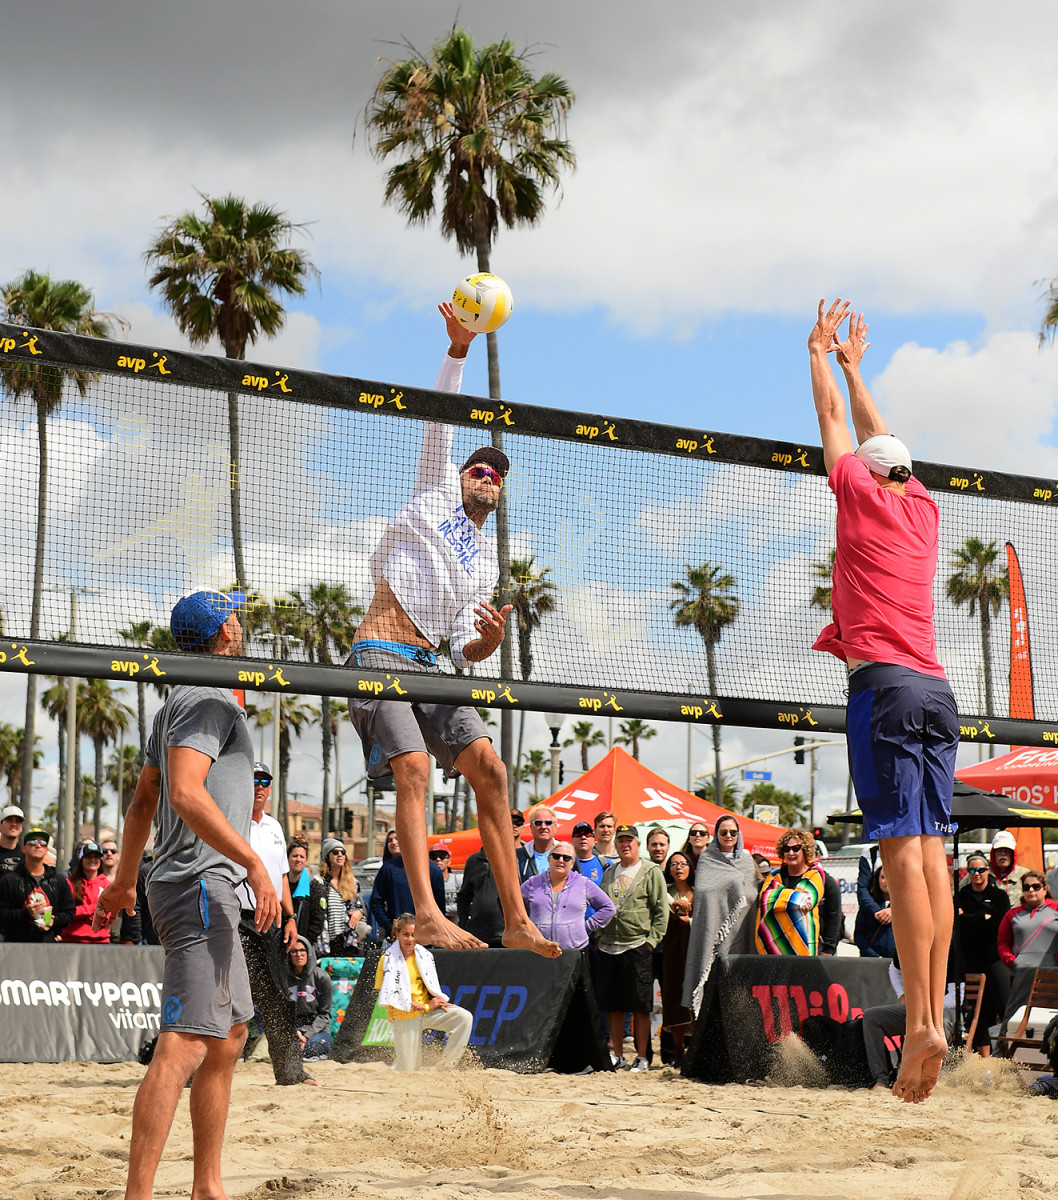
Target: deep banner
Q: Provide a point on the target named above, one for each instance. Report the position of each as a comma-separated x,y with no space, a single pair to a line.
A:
751,1001
530,1013
63,1003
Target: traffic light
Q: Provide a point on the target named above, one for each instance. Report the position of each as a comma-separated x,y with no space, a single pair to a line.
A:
799,755
347,820
818,832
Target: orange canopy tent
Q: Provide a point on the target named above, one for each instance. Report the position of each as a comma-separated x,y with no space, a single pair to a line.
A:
1028,775
636,796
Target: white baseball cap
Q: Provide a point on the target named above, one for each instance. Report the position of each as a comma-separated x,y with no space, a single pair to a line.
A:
12,810
883,452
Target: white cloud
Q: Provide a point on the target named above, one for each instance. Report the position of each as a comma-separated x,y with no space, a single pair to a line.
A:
994,404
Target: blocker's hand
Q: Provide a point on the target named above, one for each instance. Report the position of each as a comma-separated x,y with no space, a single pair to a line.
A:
852,349
824,332
457,334
491,624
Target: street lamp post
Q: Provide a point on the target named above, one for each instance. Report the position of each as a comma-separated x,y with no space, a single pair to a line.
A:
67,835
554,723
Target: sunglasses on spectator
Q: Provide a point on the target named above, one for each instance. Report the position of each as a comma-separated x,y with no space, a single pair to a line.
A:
792,850
341,852
543,822
436,854
699,833
299,950
262,781
1032,887
34,842
110,849
517,822
727,833
482,472
562,857
976,870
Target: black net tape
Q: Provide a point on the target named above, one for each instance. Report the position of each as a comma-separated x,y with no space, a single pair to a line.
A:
139,513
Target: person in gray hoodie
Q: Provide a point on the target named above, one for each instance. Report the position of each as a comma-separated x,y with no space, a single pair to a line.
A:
310,988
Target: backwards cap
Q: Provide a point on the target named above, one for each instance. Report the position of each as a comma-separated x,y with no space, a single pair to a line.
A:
198,617
883,452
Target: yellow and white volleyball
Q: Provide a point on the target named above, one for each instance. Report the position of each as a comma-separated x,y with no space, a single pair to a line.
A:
482,303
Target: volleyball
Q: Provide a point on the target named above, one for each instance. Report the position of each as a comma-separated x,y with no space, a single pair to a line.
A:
482,303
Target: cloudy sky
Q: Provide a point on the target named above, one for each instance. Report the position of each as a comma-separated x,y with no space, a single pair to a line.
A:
733,166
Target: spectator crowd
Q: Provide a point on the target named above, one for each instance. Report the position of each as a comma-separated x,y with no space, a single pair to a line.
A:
649,918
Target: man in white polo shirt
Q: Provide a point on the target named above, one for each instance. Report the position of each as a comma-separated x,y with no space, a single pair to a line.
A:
266,952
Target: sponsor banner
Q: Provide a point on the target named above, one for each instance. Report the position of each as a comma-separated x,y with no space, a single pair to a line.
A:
63,1003
751,1001
530,1013
166,366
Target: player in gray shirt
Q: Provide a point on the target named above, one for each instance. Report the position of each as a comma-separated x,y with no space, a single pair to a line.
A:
197,780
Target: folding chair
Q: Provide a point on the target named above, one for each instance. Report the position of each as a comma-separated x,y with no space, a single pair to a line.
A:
972,996
1042,994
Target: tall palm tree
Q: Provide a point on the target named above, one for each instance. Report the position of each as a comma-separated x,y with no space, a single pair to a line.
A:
11,742
824,571
533,596
473,128
295,715
102,716
139,634
979,585
706,602
325,619
584,735
125,767
54,704
634,731
536,763
35,299
222,274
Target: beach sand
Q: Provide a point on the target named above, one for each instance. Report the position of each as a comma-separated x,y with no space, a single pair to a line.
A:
476,1133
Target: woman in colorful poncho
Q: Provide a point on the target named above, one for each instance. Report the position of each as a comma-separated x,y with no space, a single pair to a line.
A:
788,908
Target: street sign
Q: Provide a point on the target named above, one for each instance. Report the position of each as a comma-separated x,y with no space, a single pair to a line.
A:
756,774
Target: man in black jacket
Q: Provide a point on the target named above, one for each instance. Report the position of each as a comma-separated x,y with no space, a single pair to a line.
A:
35,901
478,901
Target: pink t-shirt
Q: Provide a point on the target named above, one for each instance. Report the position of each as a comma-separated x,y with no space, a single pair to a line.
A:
886,561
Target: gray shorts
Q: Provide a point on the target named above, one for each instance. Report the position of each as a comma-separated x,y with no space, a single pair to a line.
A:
205,987
391,727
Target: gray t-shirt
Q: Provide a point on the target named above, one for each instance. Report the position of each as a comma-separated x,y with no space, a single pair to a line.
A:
212,721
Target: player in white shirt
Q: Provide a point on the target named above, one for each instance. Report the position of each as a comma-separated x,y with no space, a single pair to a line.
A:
435,572
265,952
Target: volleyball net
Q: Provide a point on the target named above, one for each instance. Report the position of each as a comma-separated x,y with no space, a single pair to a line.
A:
661,572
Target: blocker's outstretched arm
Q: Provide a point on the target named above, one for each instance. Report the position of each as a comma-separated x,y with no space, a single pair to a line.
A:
866,418
829,402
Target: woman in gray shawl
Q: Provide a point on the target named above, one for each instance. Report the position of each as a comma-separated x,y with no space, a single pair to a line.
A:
725,903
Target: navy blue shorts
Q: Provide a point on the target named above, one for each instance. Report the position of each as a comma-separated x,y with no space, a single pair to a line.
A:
903,734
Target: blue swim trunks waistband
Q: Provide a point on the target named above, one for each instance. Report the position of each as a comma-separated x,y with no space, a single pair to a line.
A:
418,654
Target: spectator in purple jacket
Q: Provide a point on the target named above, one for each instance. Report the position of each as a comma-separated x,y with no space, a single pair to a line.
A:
561,899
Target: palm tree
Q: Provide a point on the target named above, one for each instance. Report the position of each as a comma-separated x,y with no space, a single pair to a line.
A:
11,743
634,731
326,621
536,763
36,300
139,634
125,767
102,716
729,798
706,602
585,734
792,806
54,703
221,274
473,128
979,585
532,595
295,714
825,572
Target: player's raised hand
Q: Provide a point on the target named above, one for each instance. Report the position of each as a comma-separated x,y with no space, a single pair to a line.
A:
491,623
824,332
457,335
851,350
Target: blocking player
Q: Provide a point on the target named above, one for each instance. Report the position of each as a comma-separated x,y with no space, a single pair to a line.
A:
902,722
198,778
434,572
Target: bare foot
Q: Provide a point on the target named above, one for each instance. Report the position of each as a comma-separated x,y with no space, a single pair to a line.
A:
439,931
921,1057
527,937
312,1082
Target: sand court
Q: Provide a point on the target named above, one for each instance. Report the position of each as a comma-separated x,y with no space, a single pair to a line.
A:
478,1133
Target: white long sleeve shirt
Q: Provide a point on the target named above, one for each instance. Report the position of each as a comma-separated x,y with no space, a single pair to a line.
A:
437,562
